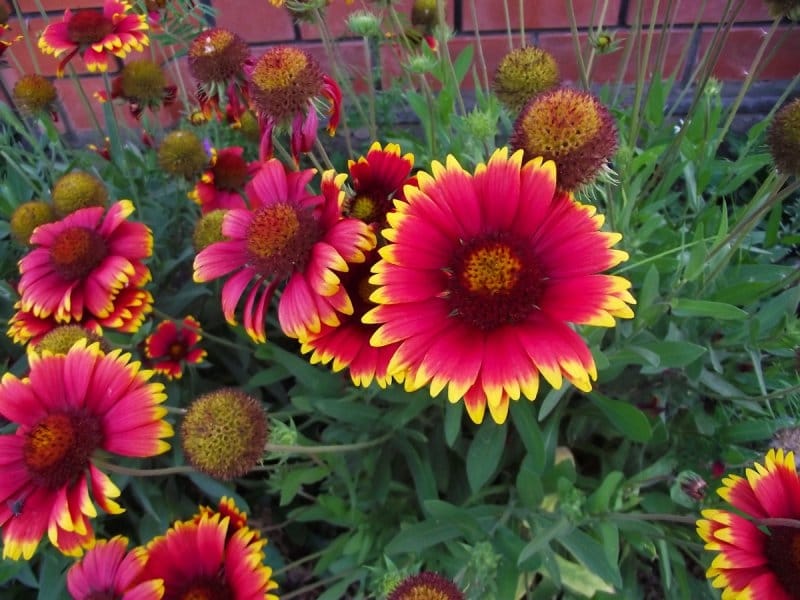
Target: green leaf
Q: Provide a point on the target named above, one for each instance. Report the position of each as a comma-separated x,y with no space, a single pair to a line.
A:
685,307
673,354
484,454
295,478
542,539
600,499
529,433
580,580
452,422
627,419
590,554
747,431
417,537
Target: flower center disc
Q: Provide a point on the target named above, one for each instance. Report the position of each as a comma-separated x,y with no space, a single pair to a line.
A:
279,68
88,27
59,446
279,239
230,172
177,350
495,281
783,554
364,208
76,251
207,590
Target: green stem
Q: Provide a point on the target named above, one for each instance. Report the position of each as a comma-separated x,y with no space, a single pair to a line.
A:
134,472
373,127
576,43
209,336
301,561
327,449
481,57
660,517
507,14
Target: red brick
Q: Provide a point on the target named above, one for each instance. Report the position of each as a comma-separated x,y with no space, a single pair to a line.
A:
606,66
539,14
741,46
30,6
74,106
337,13
687,12
259,22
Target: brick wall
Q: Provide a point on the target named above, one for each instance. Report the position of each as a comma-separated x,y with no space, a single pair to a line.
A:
546,24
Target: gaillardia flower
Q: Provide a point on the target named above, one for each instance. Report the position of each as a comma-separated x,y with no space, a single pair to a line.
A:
208,229
289,235
426,586
522,74
208,558
35,94
222,184
88,263
224,433
108,570
62,338
783,139
284,84
218,56
67,408
348,344
571,128
757,550
376,178
171,345
482,277
96,35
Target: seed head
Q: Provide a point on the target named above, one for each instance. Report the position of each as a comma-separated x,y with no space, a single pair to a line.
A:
34,94
783,139
27,217
182,153
522,74
78,190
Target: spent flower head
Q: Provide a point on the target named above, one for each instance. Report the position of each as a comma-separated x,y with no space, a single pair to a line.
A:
426,586
27,217
789,9
224,433
522,74
182,153
208,229
62,338
783,138
35,94
77,190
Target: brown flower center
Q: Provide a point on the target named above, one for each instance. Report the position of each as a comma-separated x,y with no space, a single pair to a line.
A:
177,350
364,208
284,80
76,251
230,171
783,556
210,589
58,448
88,27
494,281
279,239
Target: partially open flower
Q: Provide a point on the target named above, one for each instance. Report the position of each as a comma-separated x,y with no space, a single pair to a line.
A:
222,184
522,74
224,433
34,94
783,139
96,35
182,153
285,82
208,229
571,128
27,217
173,344
426,586
77,190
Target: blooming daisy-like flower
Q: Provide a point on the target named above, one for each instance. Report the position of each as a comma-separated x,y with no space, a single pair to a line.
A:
289,235
482,277
426,586
142,84
109,571
222,184
571,128
348,344
5,44
67,408
89,262
285,82
757,545
376,178
171,345
96,34
201,558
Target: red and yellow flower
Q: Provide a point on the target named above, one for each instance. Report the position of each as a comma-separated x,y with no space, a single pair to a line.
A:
757,545
109,571
96,35
171,345
222,184
89,265
285,82
211,556
24,327
288,235
377,179
66,409
484,274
